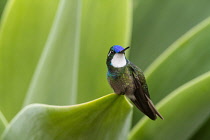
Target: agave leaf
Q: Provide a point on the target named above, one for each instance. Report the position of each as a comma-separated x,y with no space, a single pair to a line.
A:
93,39
3,123
107,118
157,24
104,23
56,75
184,110
203,132
184,60
23,32
2,4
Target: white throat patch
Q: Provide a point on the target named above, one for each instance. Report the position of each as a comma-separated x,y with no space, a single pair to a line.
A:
118,60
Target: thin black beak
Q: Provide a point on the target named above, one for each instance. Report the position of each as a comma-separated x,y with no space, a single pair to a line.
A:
124,50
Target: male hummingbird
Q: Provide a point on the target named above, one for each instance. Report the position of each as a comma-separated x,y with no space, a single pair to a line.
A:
127,79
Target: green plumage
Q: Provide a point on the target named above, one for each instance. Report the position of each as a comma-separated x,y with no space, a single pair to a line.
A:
129,80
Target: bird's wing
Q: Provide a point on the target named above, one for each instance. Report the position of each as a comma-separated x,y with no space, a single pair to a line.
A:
142,97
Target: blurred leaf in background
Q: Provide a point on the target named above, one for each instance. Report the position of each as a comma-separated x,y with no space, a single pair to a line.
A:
3,123
184,60
56,73
24,28
2,4
104,23
183,111
203,132
157,24
66,39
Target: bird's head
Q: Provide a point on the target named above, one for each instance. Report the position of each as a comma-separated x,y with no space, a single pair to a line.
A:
116,56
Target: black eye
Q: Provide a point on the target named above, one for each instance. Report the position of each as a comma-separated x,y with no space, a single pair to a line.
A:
110,52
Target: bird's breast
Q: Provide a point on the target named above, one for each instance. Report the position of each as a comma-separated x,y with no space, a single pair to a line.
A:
121,82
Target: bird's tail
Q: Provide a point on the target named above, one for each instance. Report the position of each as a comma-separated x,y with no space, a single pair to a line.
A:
147,107
151,105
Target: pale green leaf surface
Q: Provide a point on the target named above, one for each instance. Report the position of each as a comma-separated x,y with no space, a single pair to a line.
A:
55,80
184,60
104,23
3,123
184,111
23,32
107,118
158,23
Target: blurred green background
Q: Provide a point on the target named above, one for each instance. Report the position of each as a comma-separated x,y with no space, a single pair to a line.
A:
54,52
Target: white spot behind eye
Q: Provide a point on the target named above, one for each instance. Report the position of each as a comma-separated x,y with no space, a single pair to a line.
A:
118,60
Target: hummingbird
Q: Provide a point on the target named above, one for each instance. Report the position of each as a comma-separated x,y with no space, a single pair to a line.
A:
127,79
